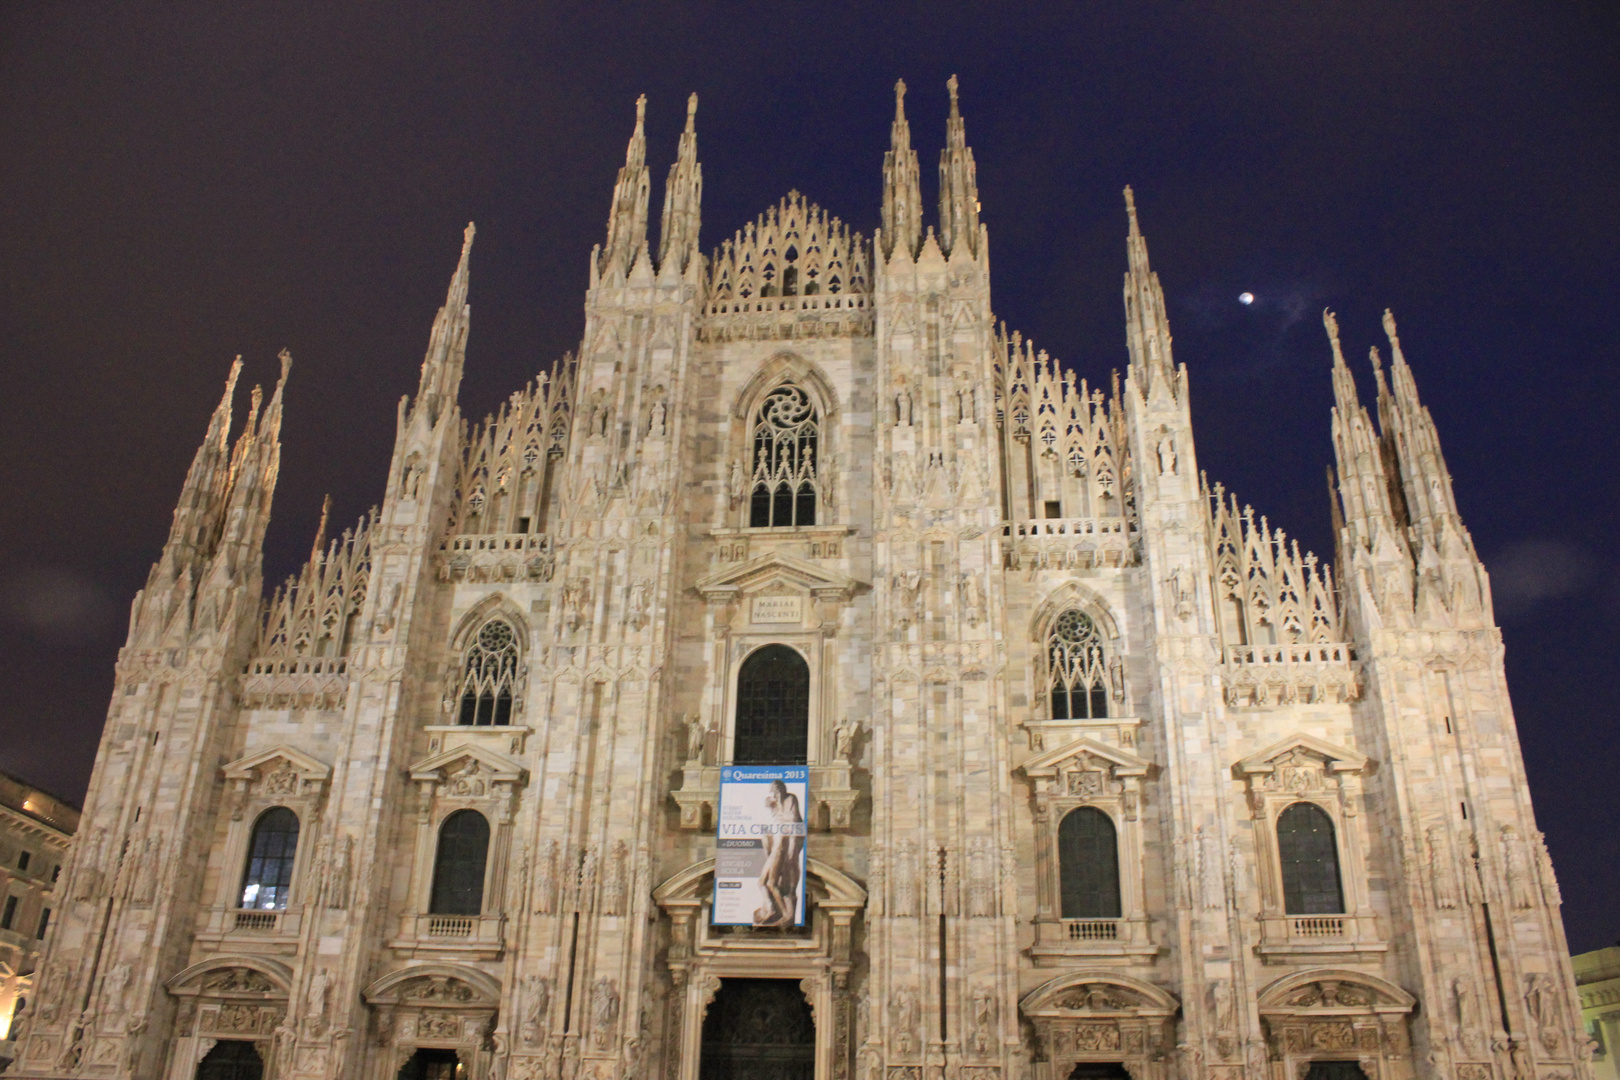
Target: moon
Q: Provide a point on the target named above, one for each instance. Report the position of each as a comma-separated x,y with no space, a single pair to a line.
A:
1246,298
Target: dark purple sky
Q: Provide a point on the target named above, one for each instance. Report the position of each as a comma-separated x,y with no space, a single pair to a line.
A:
182,183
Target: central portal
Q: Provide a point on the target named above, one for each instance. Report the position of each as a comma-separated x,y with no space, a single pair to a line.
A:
758,1029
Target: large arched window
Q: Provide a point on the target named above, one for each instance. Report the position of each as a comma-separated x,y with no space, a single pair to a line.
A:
267,879
1074,653
489,675
458,868
1310,861
773,708
1088,865
783,478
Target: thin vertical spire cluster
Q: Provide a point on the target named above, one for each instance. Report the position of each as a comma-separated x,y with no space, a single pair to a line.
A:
958,185
627,220
683,199
1147,326
902,198
447,344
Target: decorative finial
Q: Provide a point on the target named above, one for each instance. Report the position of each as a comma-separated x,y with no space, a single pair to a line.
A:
900,100
1130,206
467,235
691,111
1377,361
641,109
1331,321
1389,326
950,84
286,363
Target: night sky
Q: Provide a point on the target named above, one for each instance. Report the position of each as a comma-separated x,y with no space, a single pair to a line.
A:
182,183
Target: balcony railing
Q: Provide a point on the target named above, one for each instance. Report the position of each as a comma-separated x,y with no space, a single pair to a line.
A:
813,302
458,926
1091,929
498,542
1320,653
300,665
260,922
1317,926
1069,527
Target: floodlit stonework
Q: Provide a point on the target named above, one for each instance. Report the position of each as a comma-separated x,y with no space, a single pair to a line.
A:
1104,770
36,833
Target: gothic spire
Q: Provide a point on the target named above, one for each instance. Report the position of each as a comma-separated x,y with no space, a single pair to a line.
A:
1364,490
1415,444
196,515
447,344
683,197
902,198
1147,327
958,185
627,219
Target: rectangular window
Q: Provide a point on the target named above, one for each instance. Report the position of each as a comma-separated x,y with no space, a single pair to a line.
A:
56,872
9,914
24,859
44,923
523,525
1054,509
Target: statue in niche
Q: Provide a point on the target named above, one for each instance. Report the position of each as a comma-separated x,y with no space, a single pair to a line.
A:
844,739
1167,455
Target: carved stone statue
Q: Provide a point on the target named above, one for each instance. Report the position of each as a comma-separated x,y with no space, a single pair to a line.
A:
604,1011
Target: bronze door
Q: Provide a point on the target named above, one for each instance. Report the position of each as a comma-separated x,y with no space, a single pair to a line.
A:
758,1029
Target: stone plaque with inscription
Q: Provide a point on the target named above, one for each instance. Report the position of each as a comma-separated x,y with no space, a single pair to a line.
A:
778,609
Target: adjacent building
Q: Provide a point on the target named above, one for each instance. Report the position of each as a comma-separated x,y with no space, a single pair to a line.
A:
1597,980
1085,768
36,832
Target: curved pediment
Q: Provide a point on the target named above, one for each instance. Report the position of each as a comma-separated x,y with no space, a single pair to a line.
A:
1097,993
1334,990
233,975
451,985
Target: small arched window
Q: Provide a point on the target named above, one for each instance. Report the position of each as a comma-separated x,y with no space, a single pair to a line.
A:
1310,861
783,479
267,878
1074,653
1088,865
773,708
489,676
458,868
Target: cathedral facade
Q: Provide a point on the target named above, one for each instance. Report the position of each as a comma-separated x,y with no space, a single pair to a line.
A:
1101,775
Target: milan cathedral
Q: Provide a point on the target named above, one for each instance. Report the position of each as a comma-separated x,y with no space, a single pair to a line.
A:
1106,777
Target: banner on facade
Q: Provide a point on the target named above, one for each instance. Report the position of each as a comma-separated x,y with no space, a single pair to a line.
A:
759,855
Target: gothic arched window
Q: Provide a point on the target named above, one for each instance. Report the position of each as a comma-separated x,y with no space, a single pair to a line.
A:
458,868
1310,861
267,878
783,478
773,708
1088,865
1074,653
489,675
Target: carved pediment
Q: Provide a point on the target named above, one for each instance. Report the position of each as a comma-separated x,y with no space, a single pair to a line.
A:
436,986
280,770
1330,991
775,570
1300,752
468,771
247,977
1086,754
1097,993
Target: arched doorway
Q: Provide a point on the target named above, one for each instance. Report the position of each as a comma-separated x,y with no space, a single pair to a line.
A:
432,1065
1335,1070
231,1059
758,1029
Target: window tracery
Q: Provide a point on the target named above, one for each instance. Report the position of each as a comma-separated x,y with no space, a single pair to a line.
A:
1078,667
489,676
785,439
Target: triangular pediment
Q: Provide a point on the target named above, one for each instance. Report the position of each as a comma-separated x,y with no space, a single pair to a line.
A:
310,768
760,573
495,767
1335,758
1122,763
